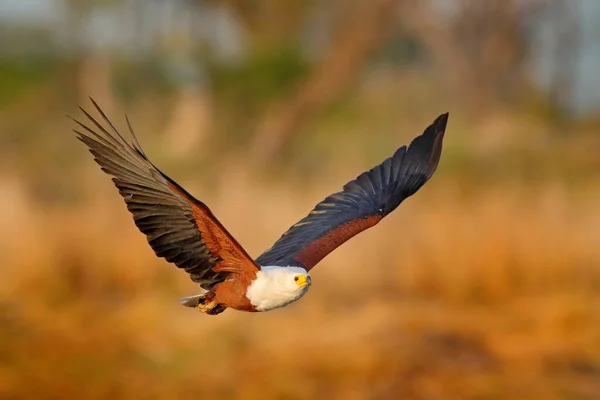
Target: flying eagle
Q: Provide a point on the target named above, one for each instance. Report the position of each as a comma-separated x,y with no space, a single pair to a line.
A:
185,232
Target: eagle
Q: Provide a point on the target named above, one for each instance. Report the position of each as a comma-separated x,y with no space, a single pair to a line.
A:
185,232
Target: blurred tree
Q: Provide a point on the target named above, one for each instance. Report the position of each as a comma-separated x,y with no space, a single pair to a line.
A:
478,45
270,64
483,47
89,71
358,34
566,47
268,22
275,83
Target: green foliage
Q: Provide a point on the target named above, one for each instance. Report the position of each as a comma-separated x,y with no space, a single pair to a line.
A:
243,91
18,74
401,50
132,78
267,74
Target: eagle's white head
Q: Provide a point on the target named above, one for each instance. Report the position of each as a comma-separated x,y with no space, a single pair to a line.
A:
276,287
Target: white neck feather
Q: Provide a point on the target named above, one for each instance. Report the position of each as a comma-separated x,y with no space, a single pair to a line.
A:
275,287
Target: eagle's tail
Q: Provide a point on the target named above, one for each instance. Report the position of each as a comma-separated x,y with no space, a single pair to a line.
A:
192,301
198,301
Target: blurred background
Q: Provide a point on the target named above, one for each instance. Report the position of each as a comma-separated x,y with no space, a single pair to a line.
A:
484,285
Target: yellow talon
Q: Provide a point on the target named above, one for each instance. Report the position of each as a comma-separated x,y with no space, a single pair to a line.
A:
206,308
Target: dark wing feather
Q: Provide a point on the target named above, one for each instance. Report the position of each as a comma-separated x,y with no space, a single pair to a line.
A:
361,204
178,227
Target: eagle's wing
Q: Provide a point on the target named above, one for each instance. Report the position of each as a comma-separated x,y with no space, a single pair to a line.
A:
178,227
361,204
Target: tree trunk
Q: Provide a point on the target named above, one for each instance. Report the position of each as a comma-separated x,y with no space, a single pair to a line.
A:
357,39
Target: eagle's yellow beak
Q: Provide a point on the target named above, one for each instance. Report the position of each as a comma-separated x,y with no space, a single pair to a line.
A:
302,280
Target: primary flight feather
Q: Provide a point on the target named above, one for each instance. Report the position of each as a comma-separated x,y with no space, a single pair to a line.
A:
185,232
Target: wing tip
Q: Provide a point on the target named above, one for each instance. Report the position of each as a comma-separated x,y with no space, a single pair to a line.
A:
441,122
439,129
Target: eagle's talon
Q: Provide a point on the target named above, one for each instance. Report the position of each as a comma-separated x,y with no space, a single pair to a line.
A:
207,308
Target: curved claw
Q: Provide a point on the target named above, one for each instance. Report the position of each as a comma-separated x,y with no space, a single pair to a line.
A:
206,307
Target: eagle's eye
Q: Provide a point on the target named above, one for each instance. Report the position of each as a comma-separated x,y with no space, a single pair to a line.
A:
302,280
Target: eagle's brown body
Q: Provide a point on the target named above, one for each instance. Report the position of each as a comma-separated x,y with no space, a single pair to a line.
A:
231,294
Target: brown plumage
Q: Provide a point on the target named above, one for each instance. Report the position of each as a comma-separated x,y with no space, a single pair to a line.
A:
315,251
184,231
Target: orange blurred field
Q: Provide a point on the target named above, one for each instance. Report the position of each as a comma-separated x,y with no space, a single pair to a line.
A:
467,291
485,285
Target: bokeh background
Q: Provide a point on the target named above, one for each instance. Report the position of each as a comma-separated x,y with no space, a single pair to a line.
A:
484,285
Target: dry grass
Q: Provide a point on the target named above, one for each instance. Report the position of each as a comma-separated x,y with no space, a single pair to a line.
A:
491,295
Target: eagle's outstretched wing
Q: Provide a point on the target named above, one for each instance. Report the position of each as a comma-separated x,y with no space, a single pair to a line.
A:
361,204
179,227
